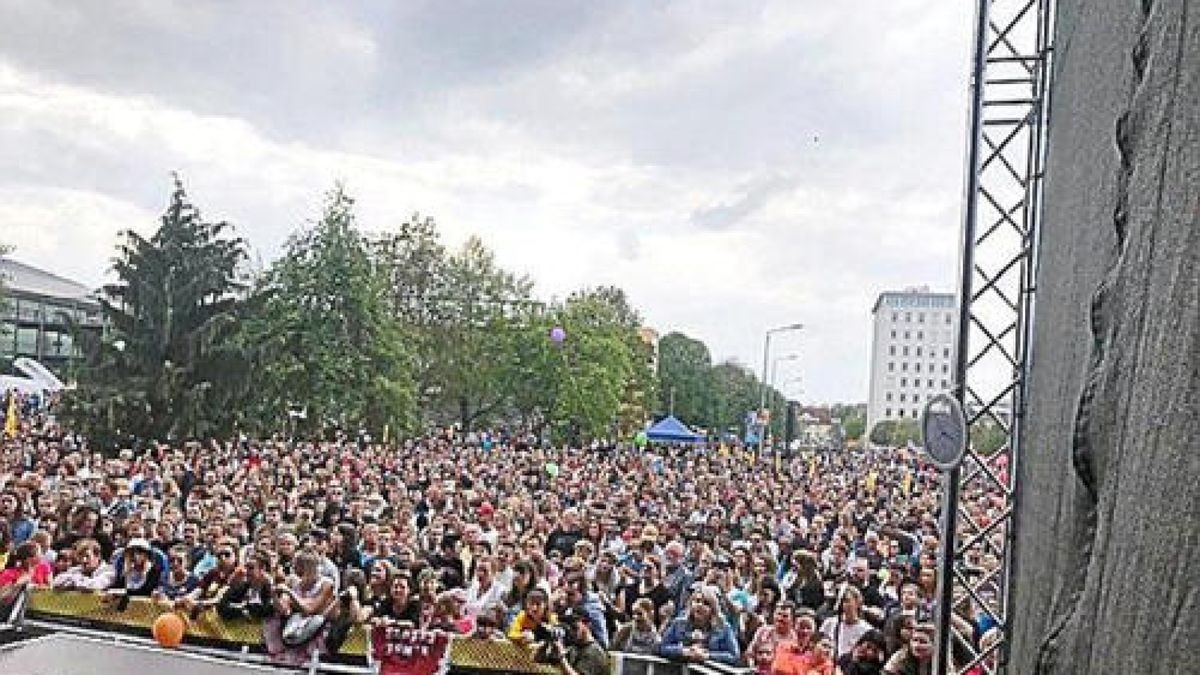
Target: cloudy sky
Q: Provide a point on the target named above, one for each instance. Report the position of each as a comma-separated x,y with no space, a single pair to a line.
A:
734,165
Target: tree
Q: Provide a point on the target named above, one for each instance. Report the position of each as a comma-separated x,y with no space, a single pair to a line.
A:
169,369
987,436
484,306
685,378
853,418
601,368
735,392
330,351
895,432
413,262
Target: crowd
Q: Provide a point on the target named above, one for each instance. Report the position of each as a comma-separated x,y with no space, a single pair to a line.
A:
818,563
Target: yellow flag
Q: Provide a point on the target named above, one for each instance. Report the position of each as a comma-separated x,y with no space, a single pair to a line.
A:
10,420
871,477
906,485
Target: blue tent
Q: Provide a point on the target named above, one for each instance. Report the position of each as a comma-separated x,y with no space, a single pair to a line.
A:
671,430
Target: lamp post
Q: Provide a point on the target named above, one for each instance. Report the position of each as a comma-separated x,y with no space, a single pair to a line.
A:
762,402
775,365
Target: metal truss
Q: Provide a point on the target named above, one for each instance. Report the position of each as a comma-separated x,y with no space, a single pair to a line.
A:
1010,91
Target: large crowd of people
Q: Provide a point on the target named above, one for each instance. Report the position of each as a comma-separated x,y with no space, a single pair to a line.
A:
820,562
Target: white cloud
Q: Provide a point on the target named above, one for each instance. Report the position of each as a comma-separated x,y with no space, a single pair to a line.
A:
817,146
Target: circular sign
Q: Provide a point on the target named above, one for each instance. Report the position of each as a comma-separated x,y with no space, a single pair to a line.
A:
944,431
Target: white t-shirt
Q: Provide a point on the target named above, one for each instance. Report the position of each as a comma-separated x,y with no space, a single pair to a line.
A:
848,636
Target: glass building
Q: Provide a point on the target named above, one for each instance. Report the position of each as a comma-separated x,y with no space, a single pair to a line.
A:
44,316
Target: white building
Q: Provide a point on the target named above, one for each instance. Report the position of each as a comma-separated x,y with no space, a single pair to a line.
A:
911,352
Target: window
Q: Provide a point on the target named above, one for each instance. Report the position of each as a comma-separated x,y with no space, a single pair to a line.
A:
945,369
949,318
891,366
917,367
921,317
908,317
907,335
945,352
895,316
887,412
916,413
903,382
931,383
892,350
902,397
902,412
916,398
904,365
918,351
893,335
945,385
905,350
920,335
888,396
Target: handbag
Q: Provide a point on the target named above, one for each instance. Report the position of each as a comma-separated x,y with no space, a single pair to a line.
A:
299,629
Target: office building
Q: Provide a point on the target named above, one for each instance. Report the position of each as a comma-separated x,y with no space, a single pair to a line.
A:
912,352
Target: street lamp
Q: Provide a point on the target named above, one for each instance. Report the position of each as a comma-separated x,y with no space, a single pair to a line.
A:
775,365
762,402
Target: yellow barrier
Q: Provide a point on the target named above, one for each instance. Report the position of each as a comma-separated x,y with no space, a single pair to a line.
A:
140,613
101,612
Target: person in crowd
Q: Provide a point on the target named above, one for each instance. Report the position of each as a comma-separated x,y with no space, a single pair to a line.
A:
639,635
760,653
916,658
214,582
25,565
251,590
648,584
400,606
867,656
484,590
532,625
90,572
702,634
140,572
802,583
848,626
583,654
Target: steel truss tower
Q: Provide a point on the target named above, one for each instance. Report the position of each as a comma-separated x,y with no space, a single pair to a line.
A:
1010,90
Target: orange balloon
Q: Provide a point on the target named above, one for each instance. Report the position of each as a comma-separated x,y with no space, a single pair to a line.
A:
168,630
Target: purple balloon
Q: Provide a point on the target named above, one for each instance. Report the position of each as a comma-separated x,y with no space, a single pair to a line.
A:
557,335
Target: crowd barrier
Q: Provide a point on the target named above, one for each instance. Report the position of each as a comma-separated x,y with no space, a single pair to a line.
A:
136,616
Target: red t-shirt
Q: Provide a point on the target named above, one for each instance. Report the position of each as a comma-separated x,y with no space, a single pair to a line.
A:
40,577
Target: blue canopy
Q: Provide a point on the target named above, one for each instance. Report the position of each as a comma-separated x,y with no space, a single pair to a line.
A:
671,430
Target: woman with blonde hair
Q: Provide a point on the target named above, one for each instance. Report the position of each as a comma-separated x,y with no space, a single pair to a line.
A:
702,634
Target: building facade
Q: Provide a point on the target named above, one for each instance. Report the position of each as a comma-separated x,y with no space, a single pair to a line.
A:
912,350
44,316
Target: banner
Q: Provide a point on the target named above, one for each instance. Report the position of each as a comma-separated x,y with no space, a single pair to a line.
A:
411,651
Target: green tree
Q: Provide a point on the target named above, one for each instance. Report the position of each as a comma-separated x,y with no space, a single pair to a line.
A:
685,376
896,432
484,308
601,369
169,369
735,392
853,419
413,262
328,343
987,436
